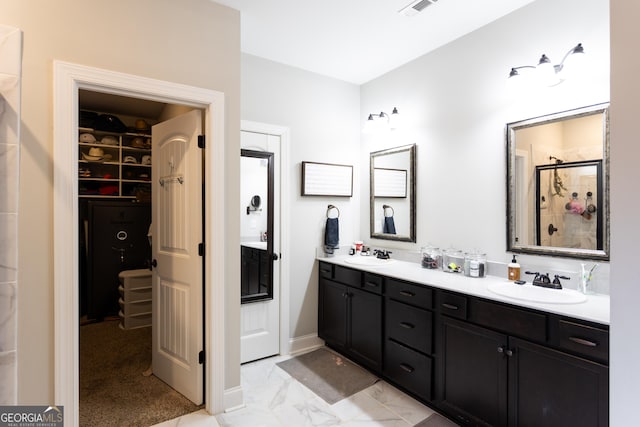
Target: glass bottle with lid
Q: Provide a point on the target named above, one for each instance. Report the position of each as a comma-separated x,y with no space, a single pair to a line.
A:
452,260
475,264
431,257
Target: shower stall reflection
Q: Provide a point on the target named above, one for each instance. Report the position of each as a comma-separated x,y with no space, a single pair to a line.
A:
567,200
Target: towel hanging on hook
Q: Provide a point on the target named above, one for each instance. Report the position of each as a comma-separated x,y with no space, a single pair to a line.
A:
331,231
388,225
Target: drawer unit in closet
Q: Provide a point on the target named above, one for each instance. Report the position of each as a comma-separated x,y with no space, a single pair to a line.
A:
409,325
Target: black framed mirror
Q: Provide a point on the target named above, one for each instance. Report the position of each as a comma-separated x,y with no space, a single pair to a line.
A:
257,256
558,184
392,194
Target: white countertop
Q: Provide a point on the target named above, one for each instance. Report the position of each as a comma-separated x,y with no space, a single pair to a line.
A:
594,309
255,245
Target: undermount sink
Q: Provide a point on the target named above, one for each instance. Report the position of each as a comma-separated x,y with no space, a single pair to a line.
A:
532,293
370,261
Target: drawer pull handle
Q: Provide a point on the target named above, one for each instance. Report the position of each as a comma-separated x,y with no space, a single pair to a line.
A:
407,368
407,325
407,294
372,284
449,306
583,342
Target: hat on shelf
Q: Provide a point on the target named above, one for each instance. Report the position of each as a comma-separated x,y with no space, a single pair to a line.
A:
109,123
96,154
138,142
130,159
87,137
109,140
146,159
141,125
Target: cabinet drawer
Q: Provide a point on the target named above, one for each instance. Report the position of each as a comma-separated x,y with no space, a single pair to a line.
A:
409,325
372,283
347,276
585,340
511,320
408,369
452,305
326,270
409,293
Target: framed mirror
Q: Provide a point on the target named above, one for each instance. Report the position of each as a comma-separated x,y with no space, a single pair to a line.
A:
256,225
392,194
558,184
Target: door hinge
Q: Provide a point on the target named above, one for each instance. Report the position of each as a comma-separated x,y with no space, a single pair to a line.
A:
201,140
201,357
201,249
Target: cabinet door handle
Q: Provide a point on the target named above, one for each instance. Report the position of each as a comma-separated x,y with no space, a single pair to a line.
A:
449,306
407,294
407,325
407,368
372,284
505,351
582,341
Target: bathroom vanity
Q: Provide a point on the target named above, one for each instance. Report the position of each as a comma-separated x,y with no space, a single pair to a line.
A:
479,357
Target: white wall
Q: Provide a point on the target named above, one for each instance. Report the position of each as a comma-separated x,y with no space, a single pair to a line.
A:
146,38
455,104
625,231
323,117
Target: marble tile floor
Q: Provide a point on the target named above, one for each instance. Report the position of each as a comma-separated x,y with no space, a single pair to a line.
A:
274,399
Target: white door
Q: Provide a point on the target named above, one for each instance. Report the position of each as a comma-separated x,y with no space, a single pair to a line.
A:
260,321
176,234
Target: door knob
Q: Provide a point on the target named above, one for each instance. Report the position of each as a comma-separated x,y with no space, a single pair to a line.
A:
154,263
274,256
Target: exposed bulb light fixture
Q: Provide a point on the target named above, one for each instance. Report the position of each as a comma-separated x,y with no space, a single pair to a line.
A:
381,121
546,73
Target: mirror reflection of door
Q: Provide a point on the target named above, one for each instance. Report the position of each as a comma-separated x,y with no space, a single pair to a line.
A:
256,196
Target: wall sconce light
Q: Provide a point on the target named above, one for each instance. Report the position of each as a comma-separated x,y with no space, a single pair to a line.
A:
381,121
547,74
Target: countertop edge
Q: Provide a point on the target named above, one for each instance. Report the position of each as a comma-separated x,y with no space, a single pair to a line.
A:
595,309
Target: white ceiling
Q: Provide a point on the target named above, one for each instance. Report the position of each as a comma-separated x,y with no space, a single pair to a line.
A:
357,40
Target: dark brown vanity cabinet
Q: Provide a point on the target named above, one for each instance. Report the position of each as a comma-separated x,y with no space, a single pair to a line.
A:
408,344
350,313
505,366
480,362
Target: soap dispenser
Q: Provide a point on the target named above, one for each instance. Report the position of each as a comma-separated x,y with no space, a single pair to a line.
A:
514,269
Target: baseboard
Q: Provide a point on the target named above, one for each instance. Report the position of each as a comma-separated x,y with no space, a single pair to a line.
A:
233,399
304,344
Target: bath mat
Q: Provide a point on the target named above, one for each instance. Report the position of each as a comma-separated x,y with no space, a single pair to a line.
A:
329,375
436,420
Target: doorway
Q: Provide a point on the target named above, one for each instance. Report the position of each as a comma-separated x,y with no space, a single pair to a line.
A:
265,316
69,79
118,295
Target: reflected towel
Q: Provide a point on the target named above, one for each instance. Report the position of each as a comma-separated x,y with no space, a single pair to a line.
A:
389,226
331,235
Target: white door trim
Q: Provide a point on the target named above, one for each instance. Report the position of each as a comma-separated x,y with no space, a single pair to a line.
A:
283,133
68,80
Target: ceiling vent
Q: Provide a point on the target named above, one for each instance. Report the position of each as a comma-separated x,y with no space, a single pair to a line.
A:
415,7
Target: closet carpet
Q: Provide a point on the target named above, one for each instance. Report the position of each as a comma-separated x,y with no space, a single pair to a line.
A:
113,389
